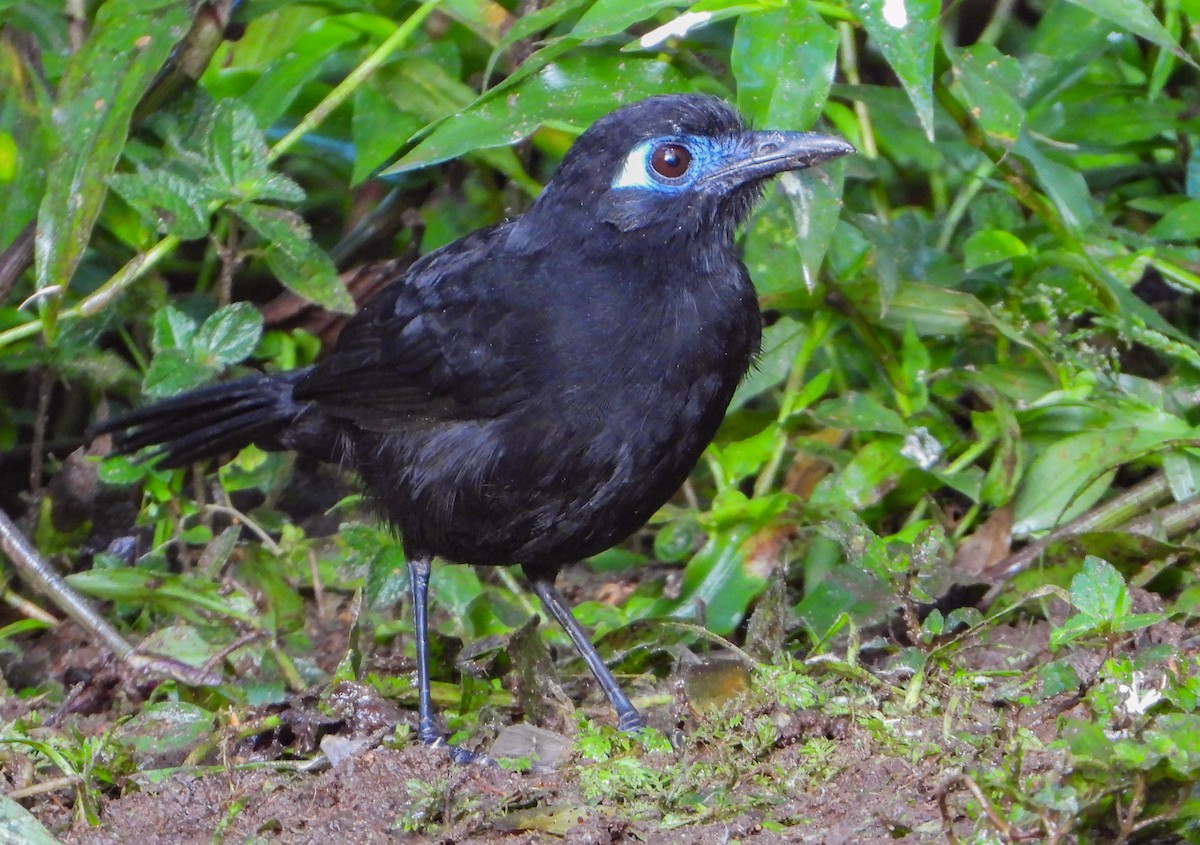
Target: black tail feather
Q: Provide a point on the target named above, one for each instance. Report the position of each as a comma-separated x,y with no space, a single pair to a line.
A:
210,420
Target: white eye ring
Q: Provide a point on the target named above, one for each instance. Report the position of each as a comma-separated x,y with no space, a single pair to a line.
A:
635,172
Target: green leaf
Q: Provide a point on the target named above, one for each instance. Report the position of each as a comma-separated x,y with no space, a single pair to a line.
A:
167,202
297,262
855,411
907,33
1181,223
129,42
784,62
1099,591
991,247
380,128
1134,16
1074,472
172,330
236,151
173,371
987,84
228,336
19,825
1065,186
596,83
26,142
280,80
815,197
719,578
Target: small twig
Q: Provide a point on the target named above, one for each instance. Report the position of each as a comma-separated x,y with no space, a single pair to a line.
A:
42,577
943,794
254,527
1134,500
45,786
25,607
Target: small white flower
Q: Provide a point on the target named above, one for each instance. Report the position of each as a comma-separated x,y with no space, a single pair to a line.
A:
921,447
1136,703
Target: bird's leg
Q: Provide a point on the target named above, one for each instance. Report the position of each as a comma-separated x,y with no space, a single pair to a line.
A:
428,730
628,718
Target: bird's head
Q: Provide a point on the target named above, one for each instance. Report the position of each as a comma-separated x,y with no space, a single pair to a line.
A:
678,163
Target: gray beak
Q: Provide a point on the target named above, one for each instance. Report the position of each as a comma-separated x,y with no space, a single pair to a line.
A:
765,154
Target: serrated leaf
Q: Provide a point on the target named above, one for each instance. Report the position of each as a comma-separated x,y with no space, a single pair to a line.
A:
236,150
907,32
172,329
784,62
1099,591
167,202
173,371
228,336
129,42
296,261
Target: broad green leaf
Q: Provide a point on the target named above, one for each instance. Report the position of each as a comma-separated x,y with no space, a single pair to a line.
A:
781,343
1134,16
166,728
380,128
1181,223
784,62
1071,474
575,92
1065,186
173,371
854,411
25,142
281,80
172,330
609,17
228,336
128,44
907,33
18,825
291,254
722,578
815,197
987,84
189,597
167,202
991,247
1099,591
867,478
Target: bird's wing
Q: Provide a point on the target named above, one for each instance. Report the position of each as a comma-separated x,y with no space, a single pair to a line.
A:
440,343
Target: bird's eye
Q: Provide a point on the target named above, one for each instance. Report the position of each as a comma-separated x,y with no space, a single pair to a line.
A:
670,160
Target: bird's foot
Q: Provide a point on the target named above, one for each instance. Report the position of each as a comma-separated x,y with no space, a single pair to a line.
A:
630,720
462,756
429,735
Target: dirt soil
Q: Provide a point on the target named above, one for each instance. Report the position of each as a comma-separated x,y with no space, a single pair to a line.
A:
863,793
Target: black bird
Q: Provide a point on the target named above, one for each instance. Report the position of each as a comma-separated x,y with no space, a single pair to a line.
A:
532,393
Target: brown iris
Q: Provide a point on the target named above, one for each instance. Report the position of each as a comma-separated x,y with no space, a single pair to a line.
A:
670,160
